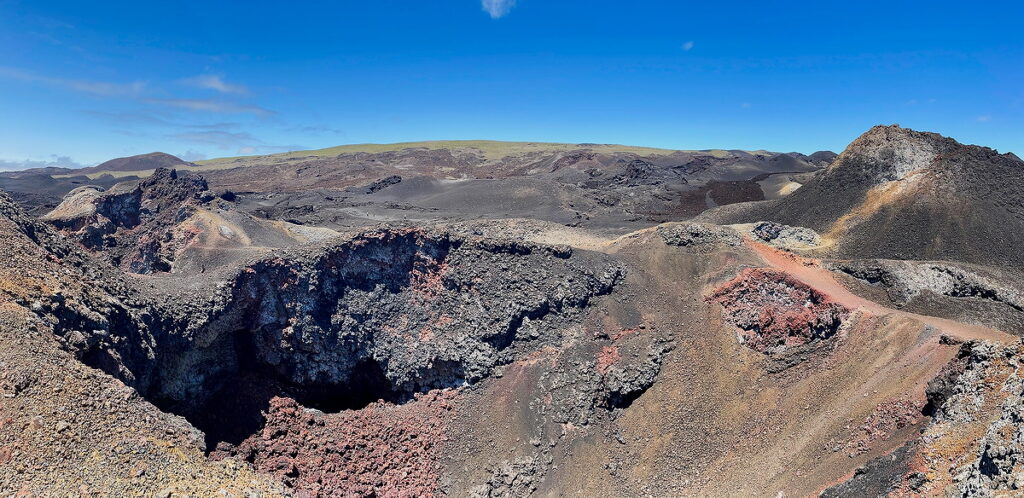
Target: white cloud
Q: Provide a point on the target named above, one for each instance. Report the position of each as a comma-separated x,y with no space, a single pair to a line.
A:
218,138
100,88
191,155
687,46
214,82
497,8
984,118
54,162
211,105
243,142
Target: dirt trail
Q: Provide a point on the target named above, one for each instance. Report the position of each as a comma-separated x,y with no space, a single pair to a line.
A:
810,272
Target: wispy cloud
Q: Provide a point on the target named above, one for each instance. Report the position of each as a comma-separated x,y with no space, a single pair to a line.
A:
142,118
320,129
54,162
136,90
216,83
191,155
127,118
218,138
242,142
99,88
497,8
213,105
687,46
985,118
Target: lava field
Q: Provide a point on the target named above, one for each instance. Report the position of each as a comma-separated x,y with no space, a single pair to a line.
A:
584,321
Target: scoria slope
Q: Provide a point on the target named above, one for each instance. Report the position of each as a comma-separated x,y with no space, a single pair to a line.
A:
896,193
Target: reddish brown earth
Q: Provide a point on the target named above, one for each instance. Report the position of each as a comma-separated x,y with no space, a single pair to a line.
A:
379,450
776,311
886,419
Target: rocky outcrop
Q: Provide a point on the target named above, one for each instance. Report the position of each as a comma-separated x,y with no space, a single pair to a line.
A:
905,280
774,311
600,378
967,293
696,235
512,478
989,392
785,236
134,225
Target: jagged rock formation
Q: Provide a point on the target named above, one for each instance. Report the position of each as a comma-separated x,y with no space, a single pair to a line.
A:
776,312
906,280
785,236
134,225
144,226
695,235
962,292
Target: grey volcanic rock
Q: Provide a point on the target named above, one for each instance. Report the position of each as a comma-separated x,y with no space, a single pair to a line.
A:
698,234
968,293
904,280
512,478
996,466
381,315
627,379
432,310
785,236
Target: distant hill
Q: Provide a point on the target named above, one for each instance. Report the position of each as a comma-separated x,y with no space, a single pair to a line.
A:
489,149
141,162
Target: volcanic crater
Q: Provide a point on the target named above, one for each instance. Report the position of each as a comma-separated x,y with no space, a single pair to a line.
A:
379,317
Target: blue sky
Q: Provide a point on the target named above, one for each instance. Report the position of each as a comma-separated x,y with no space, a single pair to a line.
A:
82,82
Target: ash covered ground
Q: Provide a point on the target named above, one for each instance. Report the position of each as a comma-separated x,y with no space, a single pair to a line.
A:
574,321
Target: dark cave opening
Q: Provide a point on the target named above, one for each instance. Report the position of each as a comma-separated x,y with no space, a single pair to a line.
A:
232,404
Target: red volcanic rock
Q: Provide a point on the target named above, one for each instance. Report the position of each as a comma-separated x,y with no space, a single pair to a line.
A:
379,450
775,311
608,356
